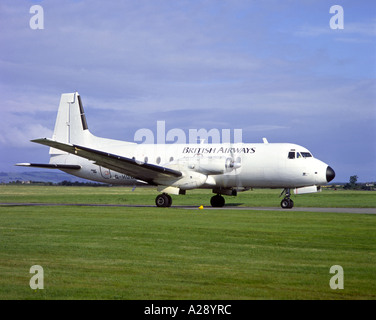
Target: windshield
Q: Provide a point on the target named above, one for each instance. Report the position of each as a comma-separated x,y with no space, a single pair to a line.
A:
299,155
305,154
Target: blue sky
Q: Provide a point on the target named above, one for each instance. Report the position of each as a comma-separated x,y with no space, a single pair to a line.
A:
274,69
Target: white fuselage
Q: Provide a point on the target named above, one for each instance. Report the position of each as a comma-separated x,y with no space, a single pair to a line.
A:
262,165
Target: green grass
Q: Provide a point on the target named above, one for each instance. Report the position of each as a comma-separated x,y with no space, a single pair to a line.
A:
146,196
174,253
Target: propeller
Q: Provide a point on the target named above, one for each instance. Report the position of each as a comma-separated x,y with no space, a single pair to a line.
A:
235,164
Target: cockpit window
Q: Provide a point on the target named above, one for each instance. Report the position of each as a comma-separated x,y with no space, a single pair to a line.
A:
299,155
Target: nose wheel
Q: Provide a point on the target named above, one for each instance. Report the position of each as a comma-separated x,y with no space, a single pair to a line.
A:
286,203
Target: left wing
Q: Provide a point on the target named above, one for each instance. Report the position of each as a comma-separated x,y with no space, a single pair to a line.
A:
142,171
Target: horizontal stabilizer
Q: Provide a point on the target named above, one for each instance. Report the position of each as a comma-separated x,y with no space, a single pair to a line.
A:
50,165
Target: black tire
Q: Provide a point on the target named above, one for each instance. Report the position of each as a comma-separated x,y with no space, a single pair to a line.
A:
287,203
217,201
169,200
163,200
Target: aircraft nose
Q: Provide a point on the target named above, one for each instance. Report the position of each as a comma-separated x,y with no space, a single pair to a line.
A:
330,174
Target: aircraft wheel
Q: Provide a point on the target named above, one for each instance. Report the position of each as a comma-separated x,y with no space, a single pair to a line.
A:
217,201
163,200
287,203
169,203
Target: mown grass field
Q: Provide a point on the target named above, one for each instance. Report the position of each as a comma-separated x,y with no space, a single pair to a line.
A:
174,253
146,196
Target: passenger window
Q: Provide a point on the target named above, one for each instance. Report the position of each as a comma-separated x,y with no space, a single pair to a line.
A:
291,155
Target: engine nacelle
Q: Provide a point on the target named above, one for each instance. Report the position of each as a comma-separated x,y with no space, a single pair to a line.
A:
213,165
189,180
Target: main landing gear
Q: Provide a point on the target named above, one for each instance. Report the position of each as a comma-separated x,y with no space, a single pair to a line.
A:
286,203
217,201
163,200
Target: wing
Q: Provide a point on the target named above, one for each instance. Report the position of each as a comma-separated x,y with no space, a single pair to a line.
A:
142,171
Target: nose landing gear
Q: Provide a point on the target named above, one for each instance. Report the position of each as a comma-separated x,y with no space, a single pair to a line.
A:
286,203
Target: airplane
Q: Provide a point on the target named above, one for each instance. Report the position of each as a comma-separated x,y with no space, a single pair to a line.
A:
226,168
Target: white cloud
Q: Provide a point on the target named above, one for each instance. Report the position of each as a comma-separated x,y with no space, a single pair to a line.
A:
265,128
19,135
351,29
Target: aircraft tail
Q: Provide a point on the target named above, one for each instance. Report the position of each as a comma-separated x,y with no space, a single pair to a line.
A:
71,129
71,125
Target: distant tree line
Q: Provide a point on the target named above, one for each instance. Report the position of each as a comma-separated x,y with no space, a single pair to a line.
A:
79,184
62,183
354,185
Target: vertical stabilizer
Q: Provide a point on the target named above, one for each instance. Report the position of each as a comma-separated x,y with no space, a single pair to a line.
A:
71,126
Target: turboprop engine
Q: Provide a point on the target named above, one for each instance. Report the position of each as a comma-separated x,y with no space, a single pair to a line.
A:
189,180
196,172
212,165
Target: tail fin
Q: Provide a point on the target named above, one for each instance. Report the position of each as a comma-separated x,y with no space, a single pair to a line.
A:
71,126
